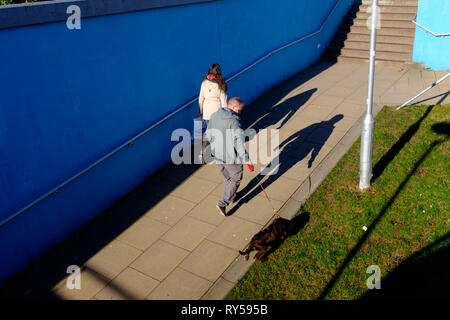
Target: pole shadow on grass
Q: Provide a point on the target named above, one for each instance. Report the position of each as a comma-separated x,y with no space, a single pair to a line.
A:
295,150
366,235
395,149
424,275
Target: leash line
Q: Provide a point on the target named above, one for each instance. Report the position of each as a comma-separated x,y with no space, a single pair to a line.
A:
268,199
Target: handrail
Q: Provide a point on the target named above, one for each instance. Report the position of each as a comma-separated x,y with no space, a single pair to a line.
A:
424,90
184,106
428,30
436,82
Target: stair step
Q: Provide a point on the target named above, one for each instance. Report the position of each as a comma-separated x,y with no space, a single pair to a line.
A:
335,58
392,2
365,45
387,16
386,55
395,37
380,38
409,65
384,23
391,9
382,31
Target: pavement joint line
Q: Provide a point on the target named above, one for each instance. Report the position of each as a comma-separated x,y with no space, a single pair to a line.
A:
197,275
110,281
172,268
174,245
153,219
178,266
193,249
142,273
130,245
178,197
196,203
226,246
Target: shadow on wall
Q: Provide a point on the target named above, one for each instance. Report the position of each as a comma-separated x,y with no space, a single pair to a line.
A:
39,280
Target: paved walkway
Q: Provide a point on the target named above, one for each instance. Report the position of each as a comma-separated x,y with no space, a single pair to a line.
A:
165,240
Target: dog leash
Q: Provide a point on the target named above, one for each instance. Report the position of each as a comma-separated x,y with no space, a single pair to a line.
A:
268,199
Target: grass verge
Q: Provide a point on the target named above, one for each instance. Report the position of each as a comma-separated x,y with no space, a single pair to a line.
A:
406,211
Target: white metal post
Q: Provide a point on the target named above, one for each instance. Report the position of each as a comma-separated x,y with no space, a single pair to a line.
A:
365,164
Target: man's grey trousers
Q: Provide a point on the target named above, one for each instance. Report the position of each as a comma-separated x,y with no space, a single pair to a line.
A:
232,177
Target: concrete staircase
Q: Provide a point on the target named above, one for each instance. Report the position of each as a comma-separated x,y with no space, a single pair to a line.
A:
395,38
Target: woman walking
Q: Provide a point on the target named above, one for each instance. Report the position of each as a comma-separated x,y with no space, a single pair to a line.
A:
213,96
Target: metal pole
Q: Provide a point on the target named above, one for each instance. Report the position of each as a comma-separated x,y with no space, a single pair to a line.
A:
365,164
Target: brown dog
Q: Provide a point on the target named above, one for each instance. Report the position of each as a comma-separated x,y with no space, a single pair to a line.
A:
277,231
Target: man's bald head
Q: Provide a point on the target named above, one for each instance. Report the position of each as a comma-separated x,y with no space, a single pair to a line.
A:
236,104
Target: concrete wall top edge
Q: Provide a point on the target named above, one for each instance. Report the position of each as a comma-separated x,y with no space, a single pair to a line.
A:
18,15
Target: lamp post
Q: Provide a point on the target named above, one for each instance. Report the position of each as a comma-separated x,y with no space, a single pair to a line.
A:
365,164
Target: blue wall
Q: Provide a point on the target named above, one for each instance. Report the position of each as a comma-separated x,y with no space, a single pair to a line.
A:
431,50
69,97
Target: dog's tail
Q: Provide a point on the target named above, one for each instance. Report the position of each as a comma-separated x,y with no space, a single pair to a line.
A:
246,252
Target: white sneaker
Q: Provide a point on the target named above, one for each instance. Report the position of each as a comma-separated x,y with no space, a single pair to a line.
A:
222,211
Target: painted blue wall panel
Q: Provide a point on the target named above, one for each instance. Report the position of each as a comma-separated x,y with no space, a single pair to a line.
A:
431,50
71,96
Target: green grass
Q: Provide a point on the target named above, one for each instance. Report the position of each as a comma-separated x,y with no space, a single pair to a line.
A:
3,2
406,210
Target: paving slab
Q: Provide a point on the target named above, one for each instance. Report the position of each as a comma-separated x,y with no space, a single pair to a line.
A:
112,259
180,285
128,285
318,110
91,283
194,189
188,233
258,210
143,233
170,210
159,260
234,232
209,260
206,210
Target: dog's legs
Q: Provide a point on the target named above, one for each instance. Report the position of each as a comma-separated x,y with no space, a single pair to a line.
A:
262,249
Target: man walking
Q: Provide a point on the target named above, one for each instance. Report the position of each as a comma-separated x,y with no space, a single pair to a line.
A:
226,137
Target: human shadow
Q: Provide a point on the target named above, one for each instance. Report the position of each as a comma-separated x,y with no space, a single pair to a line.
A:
266,109
295,149
442,128
283,112
299,222
395,149
263,118
424,275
